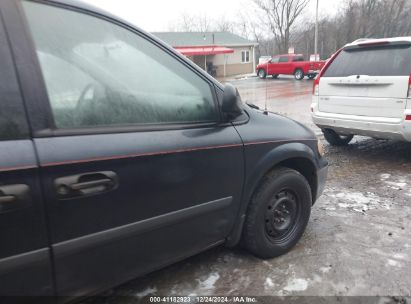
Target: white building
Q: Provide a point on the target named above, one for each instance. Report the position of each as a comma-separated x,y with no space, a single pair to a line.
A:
219,53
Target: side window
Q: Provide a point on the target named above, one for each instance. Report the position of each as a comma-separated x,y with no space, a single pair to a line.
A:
13,124
283,59
100,74
245,56
275,60
298,59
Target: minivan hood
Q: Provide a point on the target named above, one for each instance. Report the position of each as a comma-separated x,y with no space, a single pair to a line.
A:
264,126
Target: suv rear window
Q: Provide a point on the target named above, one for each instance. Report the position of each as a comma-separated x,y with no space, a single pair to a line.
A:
381,61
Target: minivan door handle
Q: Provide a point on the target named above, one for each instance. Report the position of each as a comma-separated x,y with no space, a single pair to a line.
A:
13,197
86,184
7,199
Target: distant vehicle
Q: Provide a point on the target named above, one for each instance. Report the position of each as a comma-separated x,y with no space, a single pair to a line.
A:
290,64
119,156
365,89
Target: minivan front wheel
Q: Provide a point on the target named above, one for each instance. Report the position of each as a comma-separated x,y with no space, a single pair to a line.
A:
335,139
278,213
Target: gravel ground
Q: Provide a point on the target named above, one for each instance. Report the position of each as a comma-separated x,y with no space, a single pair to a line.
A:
358,240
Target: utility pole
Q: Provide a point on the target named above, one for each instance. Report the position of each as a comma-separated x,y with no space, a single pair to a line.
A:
316,33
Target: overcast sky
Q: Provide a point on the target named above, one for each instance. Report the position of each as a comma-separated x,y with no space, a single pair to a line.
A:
155,15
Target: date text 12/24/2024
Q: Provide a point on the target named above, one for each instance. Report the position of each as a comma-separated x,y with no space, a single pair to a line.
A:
202,299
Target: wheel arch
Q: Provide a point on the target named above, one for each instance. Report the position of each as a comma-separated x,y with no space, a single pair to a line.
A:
298,68
297,156
306,168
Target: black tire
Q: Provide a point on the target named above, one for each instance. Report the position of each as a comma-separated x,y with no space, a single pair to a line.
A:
311,76
261,73
278,213
299,74
275,76
336,139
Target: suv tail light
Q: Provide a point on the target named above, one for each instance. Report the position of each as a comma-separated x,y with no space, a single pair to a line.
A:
408,117
316,85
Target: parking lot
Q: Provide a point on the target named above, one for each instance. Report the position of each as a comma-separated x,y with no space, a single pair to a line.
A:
357,241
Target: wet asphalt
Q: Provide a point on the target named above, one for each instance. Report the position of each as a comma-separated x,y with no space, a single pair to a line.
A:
358,240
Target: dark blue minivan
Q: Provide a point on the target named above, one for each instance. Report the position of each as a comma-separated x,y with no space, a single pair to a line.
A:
118,156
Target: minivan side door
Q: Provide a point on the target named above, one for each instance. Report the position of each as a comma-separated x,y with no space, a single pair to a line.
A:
25,263
138,171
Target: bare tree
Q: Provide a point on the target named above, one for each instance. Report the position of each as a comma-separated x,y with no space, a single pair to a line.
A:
281,16
275,24
248,26
193,23
223,25
394,17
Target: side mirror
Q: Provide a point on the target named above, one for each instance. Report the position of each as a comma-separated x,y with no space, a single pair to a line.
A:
232,105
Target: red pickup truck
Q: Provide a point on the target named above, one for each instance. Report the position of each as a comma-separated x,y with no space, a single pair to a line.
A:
290,64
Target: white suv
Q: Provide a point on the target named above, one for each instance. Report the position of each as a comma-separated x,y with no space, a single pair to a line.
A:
365,89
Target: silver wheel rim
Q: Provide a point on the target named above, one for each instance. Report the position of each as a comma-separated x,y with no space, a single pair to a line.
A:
261,74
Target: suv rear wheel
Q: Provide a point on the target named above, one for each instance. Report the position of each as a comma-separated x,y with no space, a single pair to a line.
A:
278,213
336,139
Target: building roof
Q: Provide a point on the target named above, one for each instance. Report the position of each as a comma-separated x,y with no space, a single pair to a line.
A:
182,39
204,50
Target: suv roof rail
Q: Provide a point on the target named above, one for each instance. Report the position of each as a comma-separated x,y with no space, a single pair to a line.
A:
363,39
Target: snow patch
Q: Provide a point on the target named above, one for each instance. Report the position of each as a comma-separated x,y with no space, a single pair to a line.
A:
360,202
325,269
400,183
208,283
296,285
385,176
146,292
400,256
268,283
393,263
396,185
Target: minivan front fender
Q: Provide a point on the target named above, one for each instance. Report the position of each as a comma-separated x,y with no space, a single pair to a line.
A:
298,156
